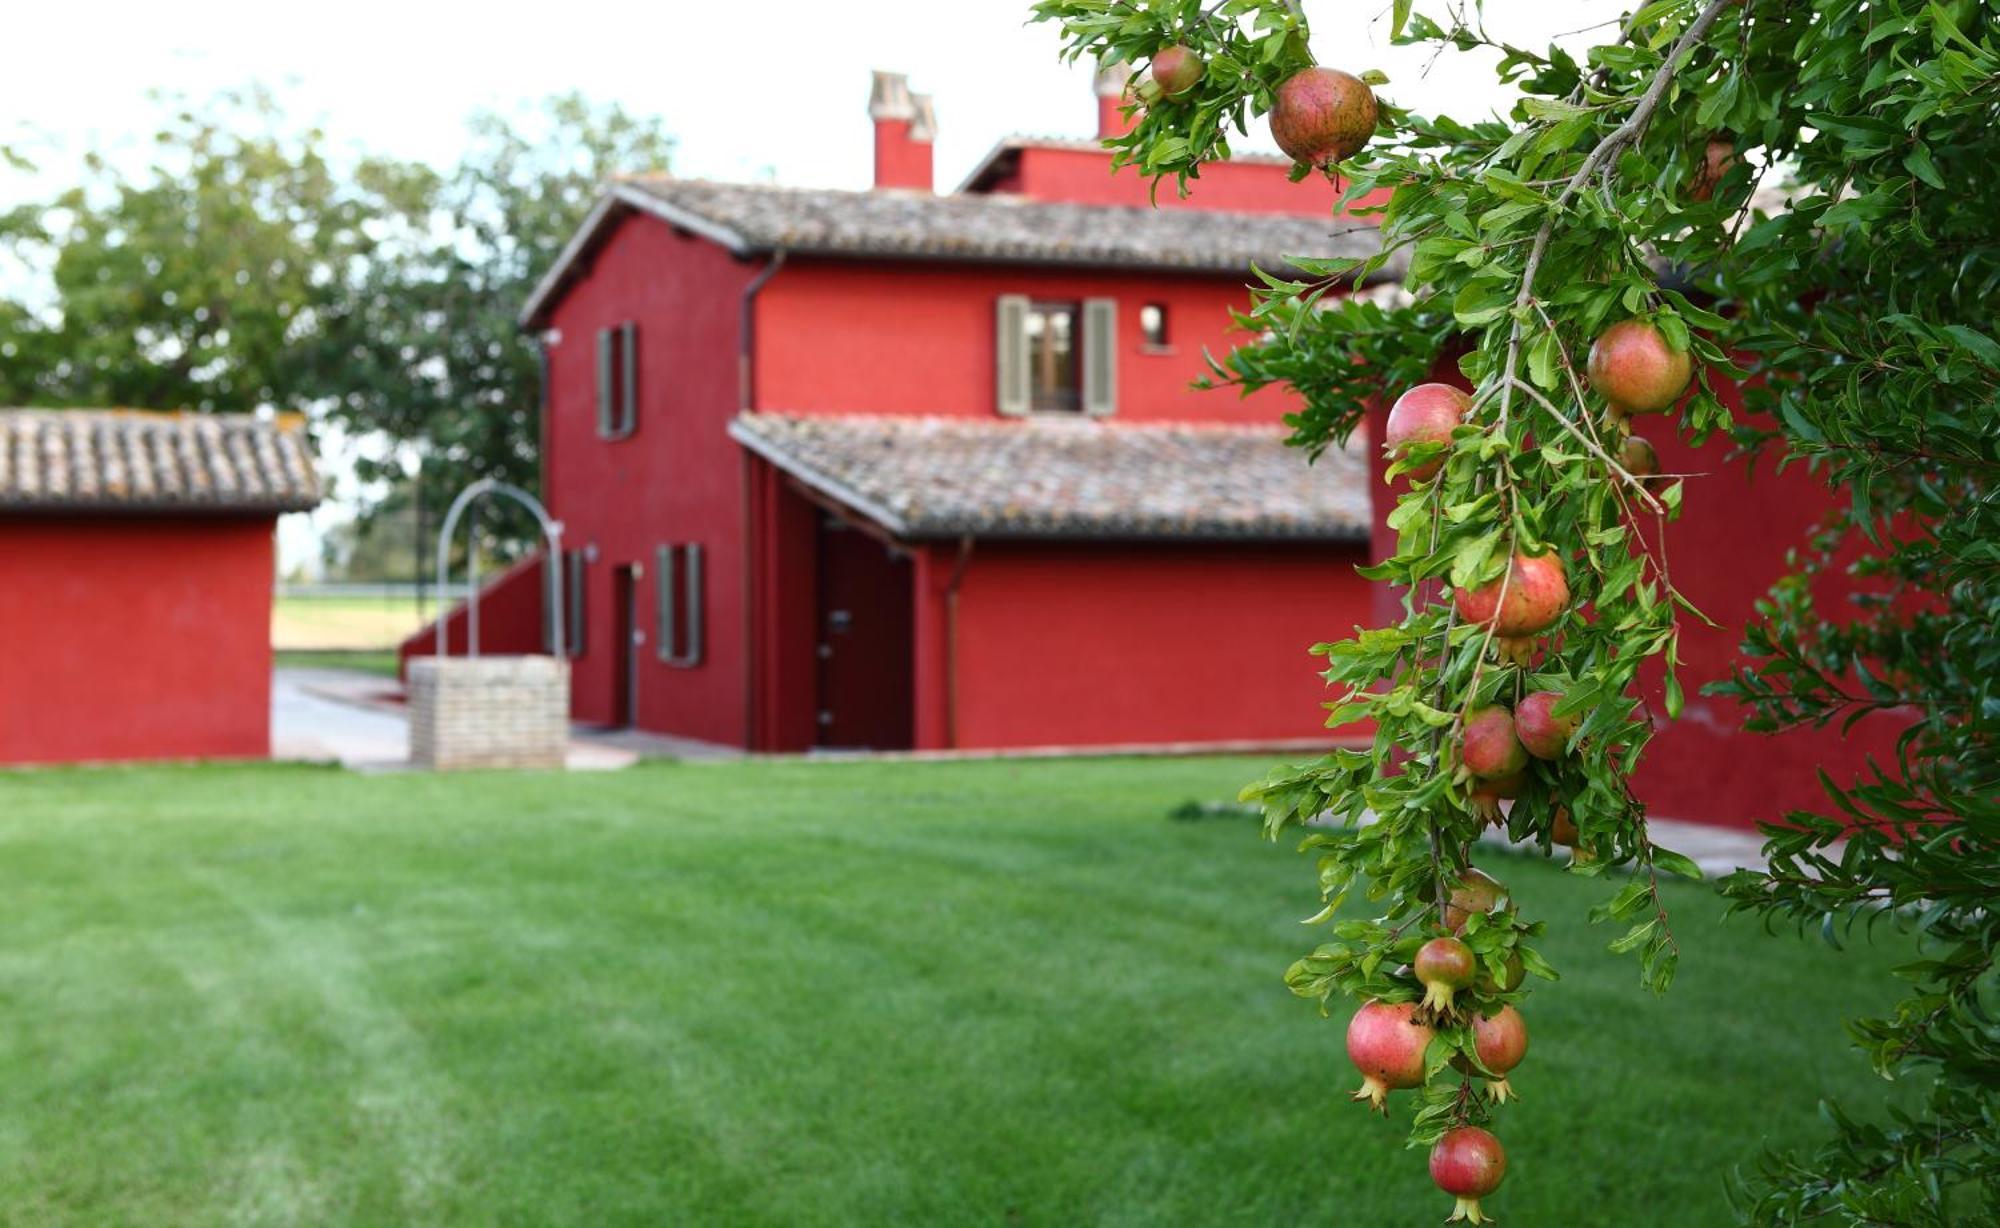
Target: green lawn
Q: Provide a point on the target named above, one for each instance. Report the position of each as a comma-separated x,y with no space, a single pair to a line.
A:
381,663
988,993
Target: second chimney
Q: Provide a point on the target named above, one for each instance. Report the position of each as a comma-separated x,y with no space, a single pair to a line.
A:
905,126
1112,97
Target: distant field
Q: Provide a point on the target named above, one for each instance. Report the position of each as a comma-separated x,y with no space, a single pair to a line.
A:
341,622
380,661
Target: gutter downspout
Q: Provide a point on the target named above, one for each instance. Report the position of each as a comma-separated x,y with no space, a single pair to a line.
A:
951,642
746,401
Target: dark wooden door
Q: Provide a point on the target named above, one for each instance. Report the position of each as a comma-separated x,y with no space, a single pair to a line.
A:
624,652
865,631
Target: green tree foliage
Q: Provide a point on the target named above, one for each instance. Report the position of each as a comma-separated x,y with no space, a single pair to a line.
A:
199,283
247,268
429,345
1855,309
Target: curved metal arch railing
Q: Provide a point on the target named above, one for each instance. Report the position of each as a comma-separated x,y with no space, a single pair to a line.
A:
552,593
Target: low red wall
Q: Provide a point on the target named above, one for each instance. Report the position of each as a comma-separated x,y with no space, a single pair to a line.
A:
510,619
131,638
1111,644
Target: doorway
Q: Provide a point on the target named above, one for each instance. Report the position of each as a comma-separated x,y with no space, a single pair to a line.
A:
624,645
864,626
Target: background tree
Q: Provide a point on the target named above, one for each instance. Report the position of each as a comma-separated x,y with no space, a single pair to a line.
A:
245,268
1858,315
427,348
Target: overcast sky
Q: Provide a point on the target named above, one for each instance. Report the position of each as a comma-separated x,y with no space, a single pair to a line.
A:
771,90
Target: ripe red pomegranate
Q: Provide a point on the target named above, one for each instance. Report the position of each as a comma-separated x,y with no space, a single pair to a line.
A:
1424,414
1176,70
1477,892
1322,115
1468,1164
1386,1043
1445,966
1488,745
1543,734
1537,591
1632,366
1501,1041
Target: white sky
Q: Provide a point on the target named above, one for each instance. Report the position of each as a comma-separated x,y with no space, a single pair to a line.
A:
774,89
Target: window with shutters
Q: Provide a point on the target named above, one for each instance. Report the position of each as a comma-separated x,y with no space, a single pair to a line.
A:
1055,368
573,610
681,619
1056,357
617,381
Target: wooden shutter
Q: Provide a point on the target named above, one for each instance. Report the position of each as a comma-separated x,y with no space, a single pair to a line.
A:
628,383
605,382
1010,353
573,580
680,595
1100,356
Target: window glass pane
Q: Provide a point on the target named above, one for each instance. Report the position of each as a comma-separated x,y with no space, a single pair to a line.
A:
1053,365
1153,323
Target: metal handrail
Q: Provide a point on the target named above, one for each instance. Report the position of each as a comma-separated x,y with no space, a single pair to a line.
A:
551,533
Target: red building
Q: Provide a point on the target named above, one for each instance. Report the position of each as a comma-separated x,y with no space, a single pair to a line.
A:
899,469
135,581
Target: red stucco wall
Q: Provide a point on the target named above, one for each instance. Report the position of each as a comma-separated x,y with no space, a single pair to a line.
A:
511,609
889,338
1085,175
1112,644
677,479
131,638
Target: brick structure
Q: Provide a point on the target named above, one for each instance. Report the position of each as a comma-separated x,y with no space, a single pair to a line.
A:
488,712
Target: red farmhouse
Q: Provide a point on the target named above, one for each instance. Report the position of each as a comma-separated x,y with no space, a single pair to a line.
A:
135,581
898,469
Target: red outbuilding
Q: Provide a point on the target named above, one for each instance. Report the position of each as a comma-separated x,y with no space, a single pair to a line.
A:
135,581
896,469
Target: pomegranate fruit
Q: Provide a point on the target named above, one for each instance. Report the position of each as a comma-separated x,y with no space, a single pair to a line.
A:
1515,649
1485,799
1176,70
1477,892
1537,591
1468,1163
1488,745
1386,1043
1425,414
1322,115
1501,1041
1445,966
1717,157
1543,734
1638,457
1633,366
1513,973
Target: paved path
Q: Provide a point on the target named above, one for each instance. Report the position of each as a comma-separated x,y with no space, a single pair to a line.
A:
355,720
1717,850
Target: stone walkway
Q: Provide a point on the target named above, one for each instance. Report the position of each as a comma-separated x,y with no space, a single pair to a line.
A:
357,720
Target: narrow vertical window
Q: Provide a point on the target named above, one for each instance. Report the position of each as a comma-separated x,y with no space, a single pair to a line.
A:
1153,327
1054,369
681,623
618,381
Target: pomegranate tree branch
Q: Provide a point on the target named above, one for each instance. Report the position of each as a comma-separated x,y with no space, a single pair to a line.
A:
1617,470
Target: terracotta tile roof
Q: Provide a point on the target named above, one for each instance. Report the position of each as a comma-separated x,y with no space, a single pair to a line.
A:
762,217
112,459
949,477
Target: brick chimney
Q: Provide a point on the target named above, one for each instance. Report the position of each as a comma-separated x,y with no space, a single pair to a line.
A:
1111,82
905,126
